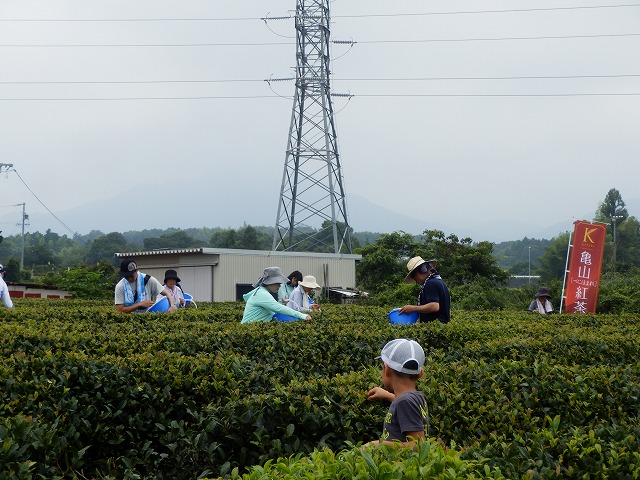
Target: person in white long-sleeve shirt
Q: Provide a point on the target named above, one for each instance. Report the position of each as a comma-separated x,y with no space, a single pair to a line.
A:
299,299
4,290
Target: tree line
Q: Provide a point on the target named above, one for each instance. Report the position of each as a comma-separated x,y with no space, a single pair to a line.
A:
477,272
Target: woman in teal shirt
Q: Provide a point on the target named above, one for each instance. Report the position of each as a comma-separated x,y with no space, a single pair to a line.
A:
261,305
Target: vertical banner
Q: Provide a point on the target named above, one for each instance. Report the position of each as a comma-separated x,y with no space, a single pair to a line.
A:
585,264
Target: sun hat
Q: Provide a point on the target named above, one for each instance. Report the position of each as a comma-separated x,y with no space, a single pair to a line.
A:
403,355
413,264
127,267
271,275
542,292
169,274
309,281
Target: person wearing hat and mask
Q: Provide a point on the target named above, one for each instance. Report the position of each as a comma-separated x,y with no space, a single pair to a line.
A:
541,304
261,304
434,301
299,299
4,290
286,289
171,283
408,416
135,291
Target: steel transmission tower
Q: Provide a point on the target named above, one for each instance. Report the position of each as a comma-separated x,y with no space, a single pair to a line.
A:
312,210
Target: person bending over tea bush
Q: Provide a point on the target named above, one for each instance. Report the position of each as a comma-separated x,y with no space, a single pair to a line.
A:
408,417
261,305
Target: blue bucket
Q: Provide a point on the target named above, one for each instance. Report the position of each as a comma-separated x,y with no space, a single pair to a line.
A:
161,305
187,299
284,318
398,318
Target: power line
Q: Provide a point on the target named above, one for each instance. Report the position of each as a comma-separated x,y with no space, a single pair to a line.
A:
472,12
288,17
41,202
486,39
270,44
96,45
219,97
414,95
501,95
126,82
397,79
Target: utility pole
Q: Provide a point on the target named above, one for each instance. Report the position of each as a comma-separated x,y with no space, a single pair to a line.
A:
25,218
614,219
312,210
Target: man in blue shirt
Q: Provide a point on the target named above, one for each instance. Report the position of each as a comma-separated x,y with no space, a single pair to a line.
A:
434,301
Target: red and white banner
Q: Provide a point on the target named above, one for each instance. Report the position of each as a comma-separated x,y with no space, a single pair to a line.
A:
585,264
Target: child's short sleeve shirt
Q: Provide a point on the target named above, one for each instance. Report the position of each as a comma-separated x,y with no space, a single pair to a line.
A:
407,413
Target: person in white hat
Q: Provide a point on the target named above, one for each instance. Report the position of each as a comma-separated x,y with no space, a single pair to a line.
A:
408,416
261,303
299,299
434,301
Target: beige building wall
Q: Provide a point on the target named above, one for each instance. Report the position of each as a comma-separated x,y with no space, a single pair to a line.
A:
212,275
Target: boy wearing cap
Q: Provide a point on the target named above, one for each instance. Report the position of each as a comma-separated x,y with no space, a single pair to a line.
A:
408,417
134,292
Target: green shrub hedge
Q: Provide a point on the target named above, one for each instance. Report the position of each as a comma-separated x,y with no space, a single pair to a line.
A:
90,393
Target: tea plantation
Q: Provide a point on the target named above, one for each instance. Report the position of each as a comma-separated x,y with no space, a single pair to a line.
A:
86,392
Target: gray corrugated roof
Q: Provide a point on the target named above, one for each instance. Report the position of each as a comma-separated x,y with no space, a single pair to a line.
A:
231,251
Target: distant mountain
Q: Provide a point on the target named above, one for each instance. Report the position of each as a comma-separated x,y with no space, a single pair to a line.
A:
206,203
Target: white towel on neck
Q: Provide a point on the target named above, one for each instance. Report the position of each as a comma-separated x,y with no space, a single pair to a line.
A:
544,307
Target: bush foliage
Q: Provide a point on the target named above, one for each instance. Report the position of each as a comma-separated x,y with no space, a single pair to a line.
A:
90,393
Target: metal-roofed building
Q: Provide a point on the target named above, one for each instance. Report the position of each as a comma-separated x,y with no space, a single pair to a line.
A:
222,274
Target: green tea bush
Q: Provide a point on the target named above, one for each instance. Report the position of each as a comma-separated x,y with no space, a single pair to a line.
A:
87,392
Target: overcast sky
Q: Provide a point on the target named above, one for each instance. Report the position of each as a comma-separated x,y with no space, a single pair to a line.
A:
461,113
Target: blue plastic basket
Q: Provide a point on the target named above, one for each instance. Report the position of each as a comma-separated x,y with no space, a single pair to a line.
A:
187,299
284,318
398,318
161,305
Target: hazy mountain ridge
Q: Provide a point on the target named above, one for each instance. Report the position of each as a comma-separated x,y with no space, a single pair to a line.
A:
213,206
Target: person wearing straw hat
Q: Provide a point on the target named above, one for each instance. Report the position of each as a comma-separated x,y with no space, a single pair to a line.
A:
541,304
299,299
261,304
4,290
136,291
434,301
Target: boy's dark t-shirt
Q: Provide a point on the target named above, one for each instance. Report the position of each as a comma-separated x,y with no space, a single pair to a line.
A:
407,413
